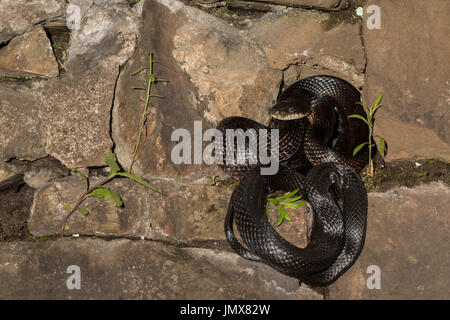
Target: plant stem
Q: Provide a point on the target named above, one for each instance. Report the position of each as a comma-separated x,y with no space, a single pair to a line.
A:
80,201
144,113
369,118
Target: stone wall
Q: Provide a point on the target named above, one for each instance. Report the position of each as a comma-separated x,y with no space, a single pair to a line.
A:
72,108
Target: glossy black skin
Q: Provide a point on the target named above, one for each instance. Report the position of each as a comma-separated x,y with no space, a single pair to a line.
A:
307,114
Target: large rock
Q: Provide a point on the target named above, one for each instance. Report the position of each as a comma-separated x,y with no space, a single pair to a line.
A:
407,61
219,74
30,54
188,212
78,116
408,239
123,269
19,15
79,104
105,217
317,40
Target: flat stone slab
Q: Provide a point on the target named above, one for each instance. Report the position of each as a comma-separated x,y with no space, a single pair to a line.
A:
124,269
408,63
409,140
188,212
408,240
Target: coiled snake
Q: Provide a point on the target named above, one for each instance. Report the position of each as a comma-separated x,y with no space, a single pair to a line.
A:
315,136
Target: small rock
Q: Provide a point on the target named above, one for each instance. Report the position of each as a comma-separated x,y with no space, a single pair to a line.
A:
30,54
40,172
359,11
9,170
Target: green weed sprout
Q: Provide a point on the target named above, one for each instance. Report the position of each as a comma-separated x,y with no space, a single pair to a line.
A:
285,201
370,112
100,191
151,80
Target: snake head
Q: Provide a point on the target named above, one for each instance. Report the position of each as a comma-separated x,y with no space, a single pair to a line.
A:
293,103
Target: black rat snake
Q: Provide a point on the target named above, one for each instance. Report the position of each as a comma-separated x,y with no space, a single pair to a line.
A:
315,136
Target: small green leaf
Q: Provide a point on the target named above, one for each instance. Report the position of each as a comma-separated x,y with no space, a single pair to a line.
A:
288,217
293,199
138,88
153,95
138,71
152,78
365,108
358,148
376,105
382,145
106,194
100,192
289,205
289,194
66,227
116,197
141,181
83,211
161,80
283,215
111,162
85,179
300,203
357,116
68,208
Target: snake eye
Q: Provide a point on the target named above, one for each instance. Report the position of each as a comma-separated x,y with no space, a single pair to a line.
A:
291,109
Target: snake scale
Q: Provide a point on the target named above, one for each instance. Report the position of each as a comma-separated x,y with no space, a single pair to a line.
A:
316,140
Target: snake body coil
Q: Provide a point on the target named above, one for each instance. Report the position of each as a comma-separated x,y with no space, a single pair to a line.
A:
314,132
